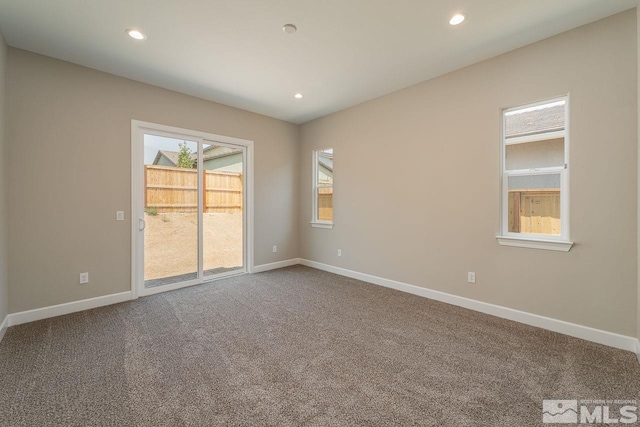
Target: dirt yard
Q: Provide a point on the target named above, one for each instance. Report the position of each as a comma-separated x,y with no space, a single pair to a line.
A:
171,243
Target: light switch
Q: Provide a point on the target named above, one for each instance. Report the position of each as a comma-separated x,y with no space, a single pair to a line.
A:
120,216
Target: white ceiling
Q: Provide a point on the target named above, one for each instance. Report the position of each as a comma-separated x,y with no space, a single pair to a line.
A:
235,52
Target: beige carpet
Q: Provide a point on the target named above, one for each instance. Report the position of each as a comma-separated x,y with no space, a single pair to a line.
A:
292,347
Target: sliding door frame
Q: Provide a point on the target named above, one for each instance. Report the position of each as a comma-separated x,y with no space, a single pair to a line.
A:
138,130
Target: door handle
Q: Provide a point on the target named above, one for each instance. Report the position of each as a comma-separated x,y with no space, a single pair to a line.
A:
141,224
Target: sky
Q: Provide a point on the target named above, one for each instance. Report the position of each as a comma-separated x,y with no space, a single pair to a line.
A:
154,143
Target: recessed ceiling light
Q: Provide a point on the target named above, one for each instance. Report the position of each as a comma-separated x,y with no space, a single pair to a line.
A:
458,18
298,96
135,34
289,28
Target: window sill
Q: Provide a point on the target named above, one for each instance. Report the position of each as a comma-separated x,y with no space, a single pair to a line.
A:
549,245
321,224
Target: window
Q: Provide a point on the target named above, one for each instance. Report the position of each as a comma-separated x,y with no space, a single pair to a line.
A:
535,173
323,188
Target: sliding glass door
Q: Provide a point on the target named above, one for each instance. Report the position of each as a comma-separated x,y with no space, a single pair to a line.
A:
191,210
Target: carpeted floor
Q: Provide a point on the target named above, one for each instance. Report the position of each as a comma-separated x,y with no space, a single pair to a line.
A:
291,347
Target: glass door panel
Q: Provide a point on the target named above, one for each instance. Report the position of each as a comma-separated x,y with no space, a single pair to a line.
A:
171,186
223,208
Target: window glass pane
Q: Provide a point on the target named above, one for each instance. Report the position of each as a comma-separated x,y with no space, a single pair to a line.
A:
325,166
535,120
325,204
534,155
534,204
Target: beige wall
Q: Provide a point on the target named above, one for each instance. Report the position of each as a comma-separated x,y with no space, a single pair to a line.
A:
70,171
436,217
4,287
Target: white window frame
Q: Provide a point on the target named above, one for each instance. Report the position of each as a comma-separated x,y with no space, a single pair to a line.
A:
536,241
315,222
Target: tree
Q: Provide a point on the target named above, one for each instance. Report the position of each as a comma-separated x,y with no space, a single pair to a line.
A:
184,157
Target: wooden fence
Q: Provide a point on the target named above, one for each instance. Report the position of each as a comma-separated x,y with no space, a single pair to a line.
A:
325,204
534,211
171,189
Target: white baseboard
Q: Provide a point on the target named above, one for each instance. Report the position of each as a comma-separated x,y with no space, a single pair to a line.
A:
67,308
3,326
272,266
584,332
75,306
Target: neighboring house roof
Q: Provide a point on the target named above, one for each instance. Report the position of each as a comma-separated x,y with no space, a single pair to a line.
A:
219,155
533,122
326,161
172,156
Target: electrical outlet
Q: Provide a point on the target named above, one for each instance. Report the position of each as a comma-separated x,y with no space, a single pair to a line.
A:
339,252
84,278
119,215
471,277
275,249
